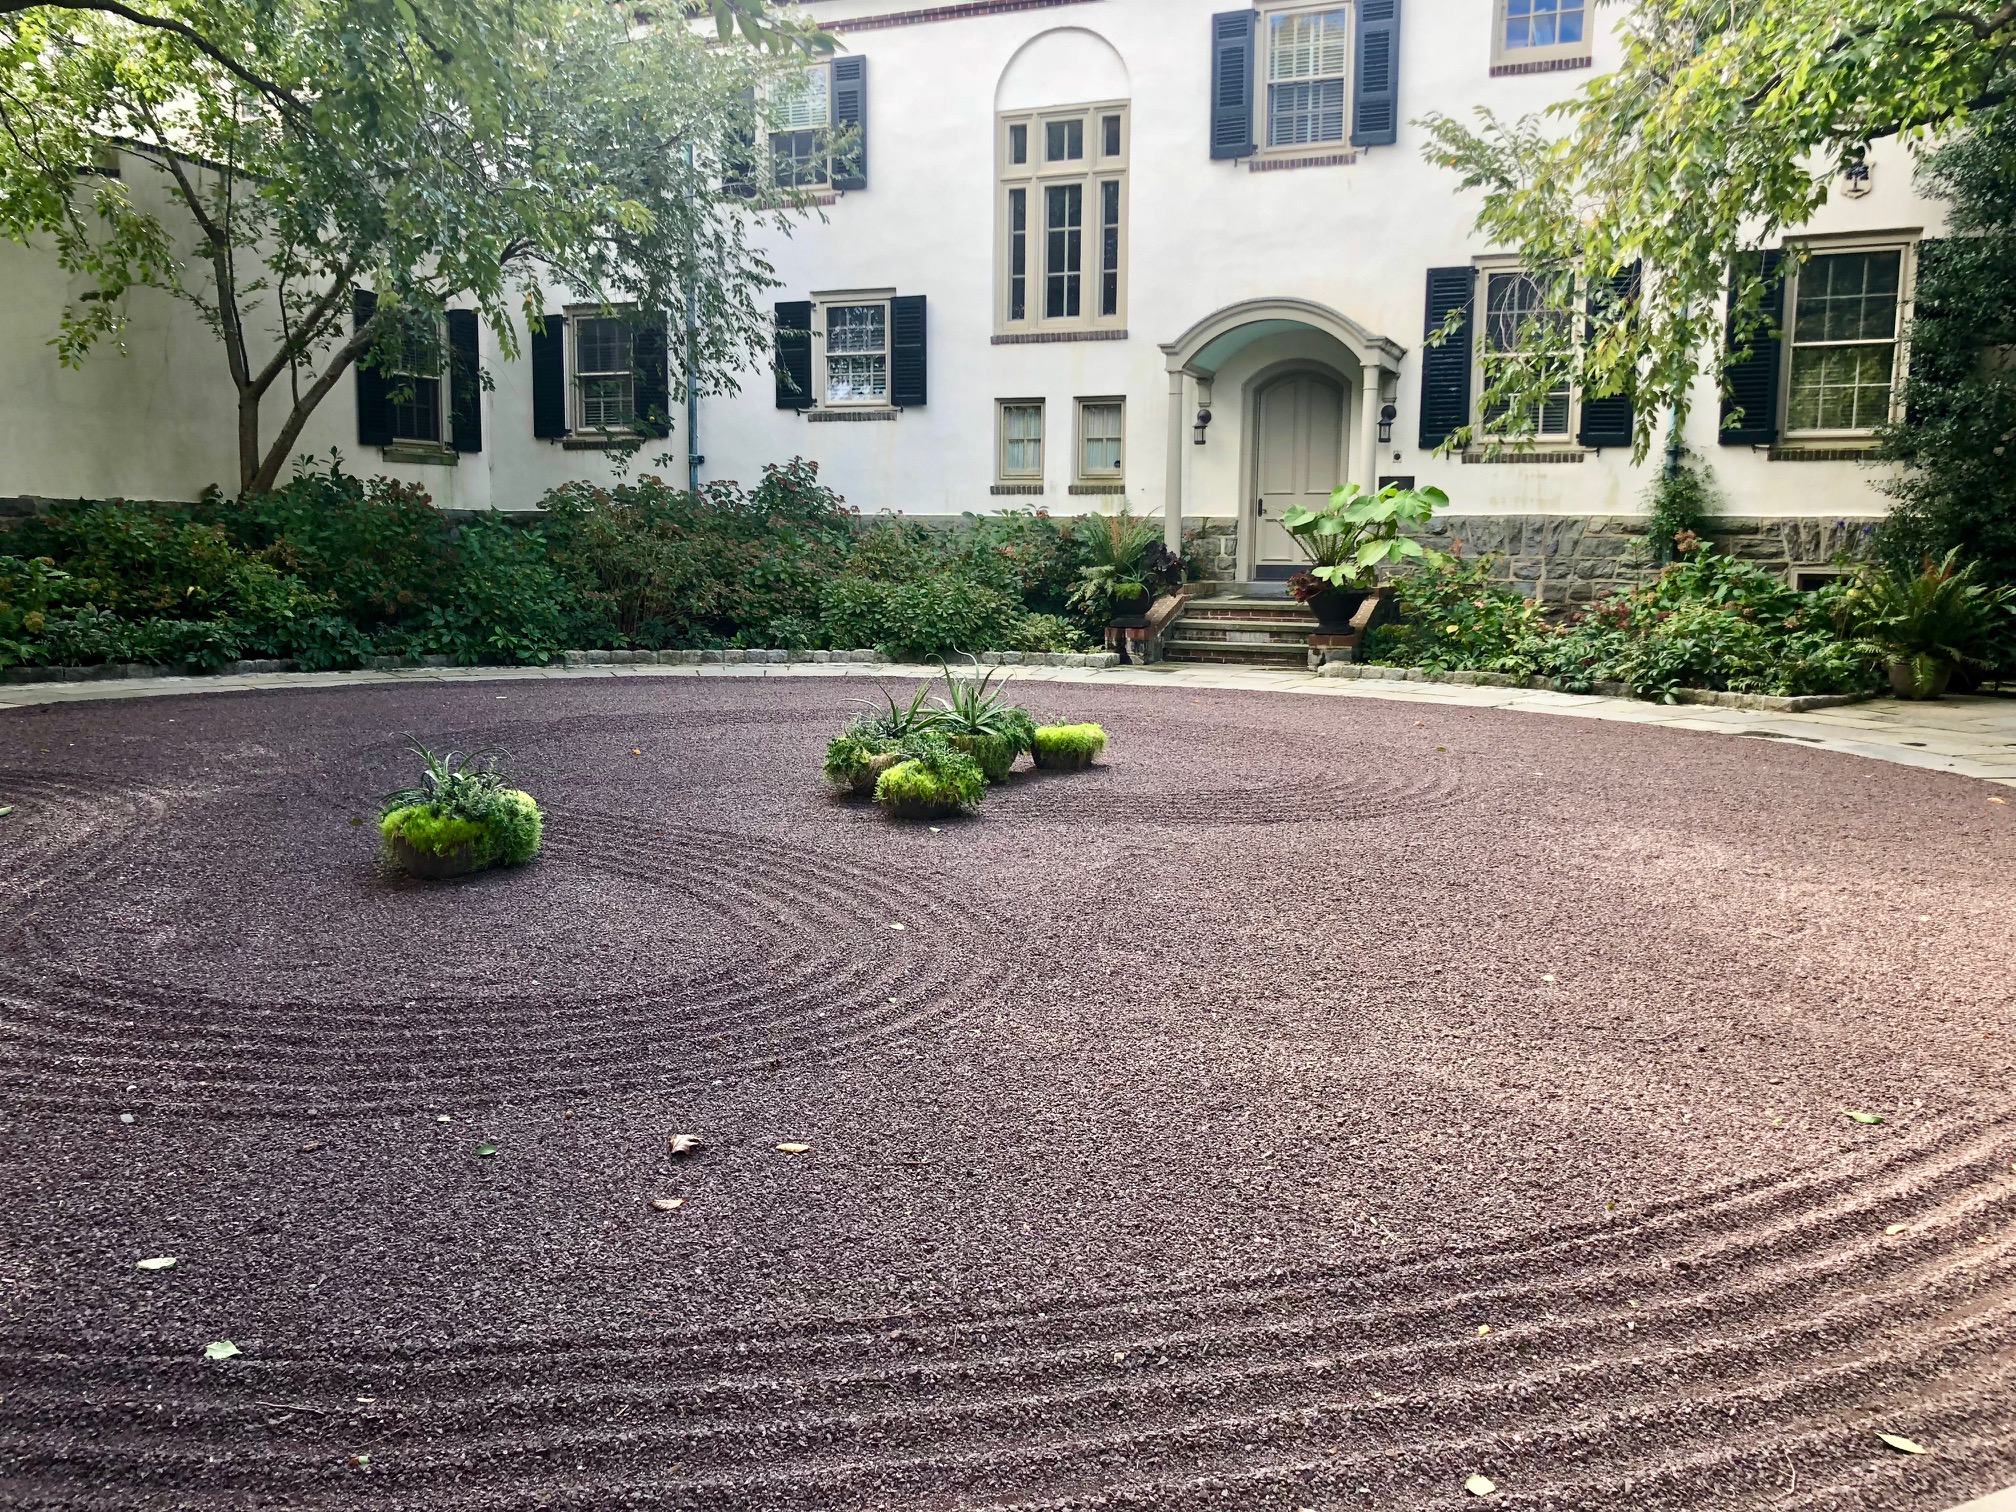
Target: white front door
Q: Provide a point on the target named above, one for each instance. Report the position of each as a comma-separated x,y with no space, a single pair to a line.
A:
1299,458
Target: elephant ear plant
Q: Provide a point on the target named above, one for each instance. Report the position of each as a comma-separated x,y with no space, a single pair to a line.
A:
462,817
983,724
1357,533
1931,624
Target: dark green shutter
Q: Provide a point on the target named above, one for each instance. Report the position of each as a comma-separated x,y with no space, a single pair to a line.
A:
1232,84
465,382
794,354
549,379
374,414
738,149
1608,421
654,378
850,114
908,370
1751,382
1445,369
1375,105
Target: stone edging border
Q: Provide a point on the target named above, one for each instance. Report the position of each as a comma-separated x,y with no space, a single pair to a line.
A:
1771,702
119,671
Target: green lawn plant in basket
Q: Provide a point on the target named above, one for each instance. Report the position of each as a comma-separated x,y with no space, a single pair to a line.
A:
1067,748
857,757
461,818
932,780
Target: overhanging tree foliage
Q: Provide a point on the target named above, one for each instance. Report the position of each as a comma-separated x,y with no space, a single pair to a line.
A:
1959,440
297,150
1725,125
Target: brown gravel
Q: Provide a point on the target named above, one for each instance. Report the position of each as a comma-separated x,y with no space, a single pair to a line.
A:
1288,1113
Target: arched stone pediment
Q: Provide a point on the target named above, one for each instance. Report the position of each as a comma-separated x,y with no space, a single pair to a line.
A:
1207,345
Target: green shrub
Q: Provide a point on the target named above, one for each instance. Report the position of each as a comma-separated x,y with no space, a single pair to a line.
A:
931,775
461,799
918,620
1085,740
1046,632
859,755
1450,616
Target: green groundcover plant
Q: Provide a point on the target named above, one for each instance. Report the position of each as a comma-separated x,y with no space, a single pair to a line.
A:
463,800
331,569
932,777
1072,745
1707,621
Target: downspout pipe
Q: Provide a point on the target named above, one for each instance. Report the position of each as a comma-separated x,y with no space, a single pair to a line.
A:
693,457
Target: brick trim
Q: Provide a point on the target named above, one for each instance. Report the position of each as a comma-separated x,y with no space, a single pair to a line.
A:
1541,457
1279,165
962,12
1540,66
1098,488
1016,488
830,415
1032,338
1823,454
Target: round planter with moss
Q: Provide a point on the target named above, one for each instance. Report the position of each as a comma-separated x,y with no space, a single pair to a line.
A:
936,783
1067,748
995,754
425,841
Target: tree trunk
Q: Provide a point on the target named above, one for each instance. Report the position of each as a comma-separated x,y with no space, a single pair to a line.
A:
264,474
249,467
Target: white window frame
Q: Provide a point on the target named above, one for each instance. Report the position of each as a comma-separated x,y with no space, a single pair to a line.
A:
1481,434
1263,68
822,382
1117,475
577,402
1033,179
1504,56
822,130
1906,247
1003,471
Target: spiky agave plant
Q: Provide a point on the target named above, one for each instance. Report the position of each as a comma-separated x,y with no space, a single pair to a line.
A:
982,722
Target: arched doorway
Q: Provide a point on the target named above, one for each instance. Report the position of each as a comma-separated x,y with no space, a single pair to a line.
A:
1299,455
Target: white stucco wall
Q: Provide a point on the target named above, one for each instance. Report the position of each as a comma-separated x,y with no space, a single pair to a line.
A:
1203,235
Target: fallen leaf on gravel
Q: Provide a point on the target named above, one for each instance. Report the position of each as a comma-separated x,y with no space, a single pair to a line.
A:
1998,800
312,1146
360,1460
1862,1118
668,1204
636,750
159,1262
1483,1329
223,1349
444,1118
1546,976
1898,1228
686,1144
5,811
1480,1485
1901,1444
795,1149
895,926
486,1150
125,1118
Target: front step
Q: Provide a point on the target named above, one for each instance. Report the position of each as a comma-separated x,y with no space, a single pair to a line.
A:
1272,632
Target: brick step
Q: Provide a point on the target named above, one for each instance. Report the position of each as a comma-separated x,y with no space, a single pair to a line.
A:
1270,653
1227,624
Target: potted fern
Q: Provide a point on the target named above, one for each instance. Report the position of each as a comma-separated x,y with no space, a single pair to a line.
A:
1350,538
462,817
1931,623
1128,566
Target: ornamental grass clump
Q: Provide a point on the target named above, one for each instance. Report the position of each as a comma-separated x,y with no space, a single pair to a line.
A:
1067,748
461,818
931,781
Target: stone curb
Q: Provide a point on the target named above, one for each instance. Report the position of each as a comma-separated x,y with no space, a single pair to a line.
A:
1769,702
117,671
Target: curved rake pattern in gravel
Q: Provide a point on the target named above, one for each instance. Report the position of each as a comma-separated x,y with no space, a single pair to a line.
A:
823,979
66,829
1761,1313
1346,798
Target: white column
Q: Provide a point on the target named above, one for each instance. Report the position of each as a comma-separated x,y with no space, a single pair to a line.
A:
1172,492
1365,468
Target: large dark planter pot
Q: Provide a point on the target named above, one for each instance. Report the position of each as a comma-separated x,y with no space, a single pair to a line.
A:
870,772
1920,676
433,866
1333,607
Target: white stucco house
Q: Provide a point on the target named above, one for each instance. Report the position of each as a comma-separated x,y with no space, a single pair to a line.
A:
1093,249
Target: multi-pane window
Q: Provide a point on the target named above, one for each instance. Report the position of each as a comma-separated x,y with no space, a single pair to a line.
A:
1520,328
416,387
1844,334
1101,440
605,372
1062,245
1307,52
1063,250
857,354
801,120
1021,440
1543,23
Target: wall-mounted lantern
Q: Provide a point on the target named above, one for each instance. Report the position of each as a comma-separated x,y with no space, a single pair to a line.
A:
1388,413
1203,424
